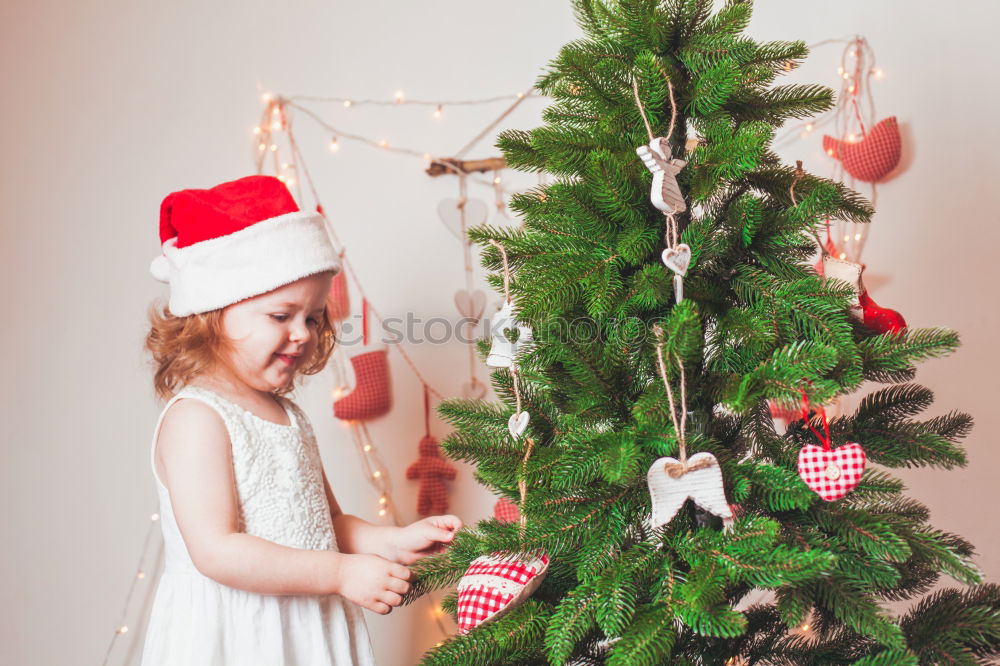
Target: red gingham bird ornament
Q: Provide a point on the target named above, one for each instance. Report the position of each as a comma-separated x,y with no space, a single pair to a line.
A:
873,157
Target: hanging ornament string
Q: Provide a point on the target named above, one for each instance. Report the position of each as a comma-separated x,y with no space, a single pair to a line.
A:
427,410
522,484
506,269
671,236
825,439
679,428
508,299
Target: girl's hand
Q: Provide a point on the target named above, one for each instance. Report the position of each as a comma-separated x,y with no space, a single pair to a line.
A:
424,537
372,582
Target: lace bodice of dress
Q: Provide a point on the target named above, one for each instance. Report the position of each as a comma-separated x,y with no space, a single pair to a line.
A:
279,478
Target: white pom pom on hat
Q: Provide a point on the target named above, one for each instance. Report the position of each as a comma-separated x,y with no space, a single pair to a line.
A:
239,239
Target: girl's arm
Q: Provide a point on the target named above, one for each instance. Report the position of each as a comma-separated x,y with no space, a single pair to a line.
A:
194,460
405,545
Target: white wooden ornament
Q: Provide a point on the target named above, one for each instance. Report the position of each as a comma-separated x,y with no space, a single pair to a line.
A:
470,304
671,484
451,216
665,193
677,258
678,288
503,351
517,424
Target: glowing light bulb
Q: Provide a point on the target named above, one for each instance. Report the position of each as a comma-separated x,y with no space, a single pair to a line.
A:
383,499
367,448
384,143
140,575
497,180
830,152
879,73
377,474
256,130
286,165
840,70
850,89
399,97
843,255
347,103
857,236
261,146
334,147
520,95
852,137
122,629
266,97
847,238
427,156
276,125
290,182
810,127
805,627
155,517
274,147
845,75
381,512
438,111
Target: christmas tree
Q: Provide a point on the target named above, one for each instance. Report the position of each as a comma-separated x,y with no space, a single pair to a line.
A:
660,299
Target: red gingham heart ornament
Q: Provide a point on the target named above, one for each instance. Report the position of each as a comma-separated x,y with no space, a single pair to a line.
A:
495,584
832,473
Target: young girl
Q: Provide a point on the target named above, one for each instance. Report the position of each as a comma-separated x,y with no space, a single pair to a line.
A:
262,567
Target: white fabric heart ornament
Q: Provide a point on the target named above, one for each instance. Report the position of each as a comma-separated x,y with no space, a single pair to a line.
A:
517,424
672,483
473,389
677,259
470,304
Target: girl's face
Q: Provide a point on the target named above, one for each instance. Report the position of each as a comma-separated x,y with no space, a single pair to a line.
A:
274,333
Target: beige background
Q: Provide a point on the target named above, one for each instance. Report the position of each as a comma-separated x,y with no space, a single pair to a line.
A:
109,105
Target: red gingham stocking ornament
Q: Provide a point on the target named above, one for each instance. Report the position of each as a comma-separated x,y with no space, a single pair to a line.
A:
431,470
370,397
830,473
873,157
495,584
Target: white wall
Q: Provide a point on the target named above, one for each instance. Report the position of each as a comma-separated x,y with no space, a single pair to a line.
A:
109,105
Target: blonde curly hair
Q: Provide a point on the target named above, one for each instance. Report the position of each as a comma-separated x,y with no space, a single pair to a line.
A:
186,347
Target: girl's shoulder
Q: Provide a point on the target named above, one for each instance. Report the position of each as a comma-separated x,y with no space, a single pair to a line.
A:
293,407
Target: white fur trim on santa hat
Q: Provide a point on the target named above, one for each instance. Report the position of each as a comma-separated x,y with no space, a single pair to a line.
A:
264,256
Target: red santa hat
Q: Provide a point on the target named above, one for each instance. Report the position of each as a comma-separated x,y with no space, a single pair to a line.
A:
237,240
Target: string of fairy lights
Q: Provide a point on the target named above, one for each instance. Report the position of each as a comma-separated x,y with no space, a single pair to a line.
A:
276,118
856,72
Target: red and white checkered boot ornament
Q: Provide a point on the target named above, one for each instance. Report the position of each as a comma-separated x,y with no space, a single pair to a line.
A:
370,397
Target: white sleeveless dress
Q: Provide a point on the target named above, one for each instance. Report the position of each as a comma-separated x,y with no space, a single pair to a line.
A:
196,621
